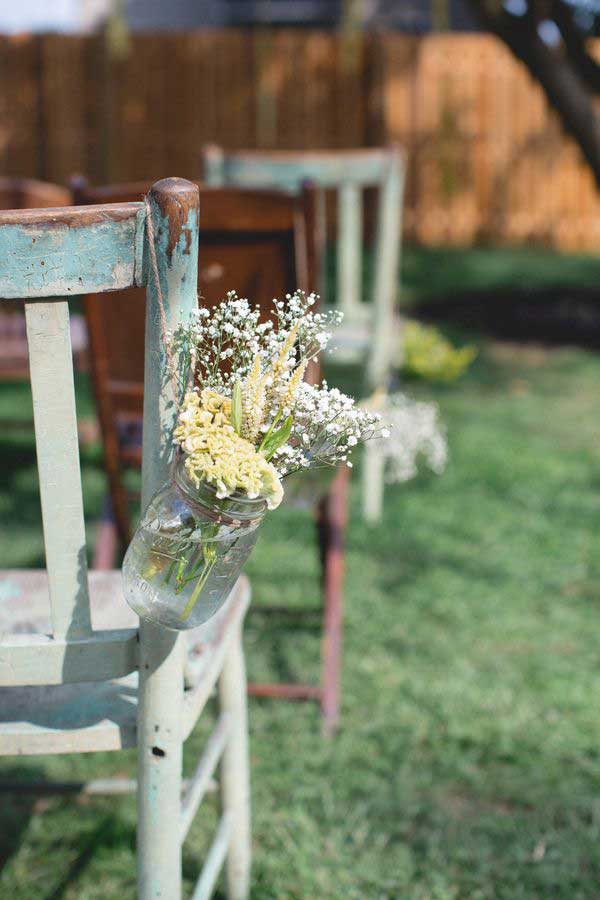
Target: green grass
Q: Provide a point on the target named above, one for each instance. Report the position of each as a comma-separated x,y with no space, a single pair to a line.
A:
467,765
439,271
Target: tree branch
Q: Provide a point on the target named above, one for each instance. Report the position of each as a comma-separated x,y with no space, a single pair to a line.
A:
564,89
585,65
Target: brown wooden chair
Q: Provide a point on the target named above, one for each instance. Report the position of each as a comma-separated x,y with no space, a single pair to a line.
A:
263,244
26,193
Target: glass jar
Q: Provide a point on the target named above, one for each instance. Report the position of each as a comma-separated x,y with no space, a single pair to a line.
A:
188,551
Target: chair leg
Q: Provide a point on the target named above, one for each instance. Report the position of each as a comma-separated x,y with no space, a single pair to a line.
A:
235,774
160,752
332,526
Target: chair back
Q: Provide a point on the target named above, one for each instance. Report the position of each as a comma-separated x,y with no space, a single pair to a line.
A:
47,256
263,244
348,173
22,193
28,193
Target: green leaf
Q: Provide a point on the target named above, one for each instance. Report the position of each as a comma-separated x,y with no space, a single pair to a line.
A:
277,438
269,433
236,407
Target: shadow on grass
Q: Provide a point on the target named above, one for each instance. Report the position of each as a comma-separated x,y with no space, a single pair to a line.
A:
109,833
16,810
26,793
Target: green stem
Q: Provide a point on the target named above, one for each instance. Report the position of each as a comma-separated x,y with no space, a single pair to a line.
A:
208,567
193,572
169,572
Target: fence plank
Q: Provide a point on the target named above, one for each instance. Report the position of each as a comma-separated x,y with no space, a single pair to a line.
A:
21,141
487,157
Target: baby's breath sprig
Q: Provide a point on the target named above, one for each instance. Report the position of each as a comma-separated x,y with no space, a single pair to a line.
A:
257,368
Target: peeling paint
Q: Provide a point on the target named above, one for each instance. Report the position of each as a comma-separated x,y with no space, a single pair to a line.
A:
178,201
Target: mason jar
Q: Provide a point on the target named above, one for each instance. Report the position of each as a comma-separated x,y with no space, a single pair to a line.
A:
188,551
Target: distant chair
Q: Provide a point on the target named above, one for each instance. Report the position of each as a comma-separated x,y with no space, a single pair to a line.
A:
263,244
370,333
76,673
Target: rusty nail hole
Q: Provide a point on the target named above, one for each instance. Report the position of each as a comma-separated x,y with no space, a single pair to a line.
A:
158,751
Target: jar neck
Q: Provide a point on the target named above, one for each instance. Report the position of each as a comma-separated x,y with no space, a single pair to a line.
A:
238,507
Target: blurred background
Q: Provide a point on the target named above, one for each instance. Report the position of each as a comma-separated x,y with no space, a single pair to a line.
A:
466,760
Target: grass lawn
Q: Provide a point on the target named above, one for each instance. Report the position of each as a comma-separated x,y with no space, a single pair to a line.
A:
467,765
447,270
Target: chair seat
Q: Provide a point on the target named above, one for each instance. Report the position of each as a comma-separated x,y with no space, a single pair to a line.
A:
89,716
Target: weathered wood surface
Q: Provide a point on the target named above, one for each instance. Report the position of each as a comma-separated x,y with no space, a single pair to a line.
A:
57,447
235,773
70,250
173,205
87,717
214,863
68,718
42,659
146,705
205,769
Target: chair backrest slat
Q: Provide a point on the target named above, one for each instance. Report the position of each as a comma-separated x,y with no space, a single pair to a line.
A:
388,248
350,253
28,193
49,253
53,391
290,169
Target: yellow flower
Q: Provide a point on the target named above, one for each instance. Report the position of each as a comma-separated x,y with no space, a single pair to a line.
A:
253,402
293,385
218,455
278,368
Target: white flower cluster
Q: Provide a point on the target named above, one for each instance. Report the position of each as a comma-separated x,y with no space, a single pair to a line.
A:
219,345
315,329
416,434
327,427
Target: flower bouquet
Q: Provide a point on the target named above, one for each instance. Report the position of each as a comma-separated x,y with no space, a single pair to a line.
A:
246,420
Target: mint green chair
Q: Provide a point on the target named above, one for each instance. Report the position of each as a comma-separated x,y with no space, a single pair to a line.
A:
77,671
371,332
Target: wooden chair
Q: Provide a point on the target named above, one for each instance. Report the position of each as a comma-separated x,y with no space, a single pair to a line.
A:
264,244
26,193
370,333
76,673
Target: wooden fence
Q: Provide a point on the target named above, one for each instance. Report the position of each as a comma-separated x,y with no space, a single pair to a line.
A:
487,158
